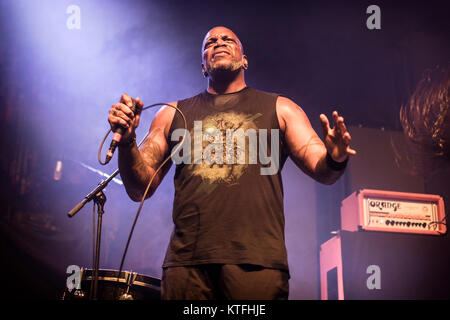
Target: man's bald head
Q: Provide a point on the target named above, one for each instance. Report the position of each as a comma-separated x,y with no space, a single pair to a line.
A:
220,30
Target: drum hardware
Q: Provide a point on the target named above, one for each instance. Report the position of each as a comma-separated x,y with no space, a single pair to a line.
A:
78,293
130,278
109,284
115,285
99,199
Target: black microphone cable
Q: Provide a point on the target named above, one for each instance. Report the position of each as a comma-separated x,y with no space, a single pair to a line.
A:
152,177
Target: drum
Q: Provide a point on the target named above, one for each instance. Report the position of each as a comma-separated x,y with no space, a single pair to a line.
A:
114,286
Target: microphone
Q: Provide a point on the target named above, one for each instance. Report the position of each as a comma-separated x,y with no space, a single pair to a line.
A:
117,136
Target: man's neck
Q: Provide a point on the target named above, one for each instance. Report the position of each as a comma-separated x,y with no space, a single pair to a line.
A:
224,85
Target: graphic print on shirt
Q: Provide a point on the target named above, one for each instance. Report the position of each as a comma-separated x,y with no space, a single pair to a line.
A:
220,164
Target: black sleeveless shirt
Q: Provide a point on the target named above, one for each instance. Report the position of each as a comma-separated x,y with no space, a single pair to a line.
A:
229,212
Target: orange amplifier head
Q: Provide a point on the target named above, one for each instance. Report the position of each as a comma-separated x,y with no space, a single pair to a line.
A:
391,211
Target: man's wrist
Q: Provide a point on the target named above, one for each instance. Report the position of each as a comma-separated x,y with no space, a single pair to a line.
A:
130,142
335,165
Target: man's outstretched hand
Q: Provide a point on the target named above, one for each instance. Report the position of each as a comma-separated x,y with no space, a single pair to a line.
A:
337,140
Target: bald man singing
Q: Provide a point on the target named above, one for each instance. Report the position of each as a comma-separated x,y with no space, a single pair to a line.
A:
228,237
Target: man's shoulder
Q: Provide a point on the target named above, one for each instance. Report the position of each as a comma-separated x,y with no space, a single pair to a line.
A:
264,93
190,99
286,106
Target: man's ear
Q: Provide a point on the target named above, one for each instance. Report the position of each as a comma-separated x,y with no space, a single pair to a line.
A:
205,73
244,62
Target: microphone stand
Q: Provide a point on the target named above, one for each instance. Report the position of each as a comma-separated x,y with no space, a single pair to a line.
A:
99,199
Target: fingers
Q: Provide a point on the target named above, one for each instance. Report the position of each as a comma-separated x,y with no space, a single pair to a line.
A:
117,122
338,123
133,104
350,151
339,132
341,125
325,124
120,116
120,108
138,105
127,100
347,138
335,117
129,106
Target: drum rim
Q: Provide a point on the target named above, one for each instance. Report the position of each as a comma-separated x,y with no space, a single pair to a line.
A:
122,279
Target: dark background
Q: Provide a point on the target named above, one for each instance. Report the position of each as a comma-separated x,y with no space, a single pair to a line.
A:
57,85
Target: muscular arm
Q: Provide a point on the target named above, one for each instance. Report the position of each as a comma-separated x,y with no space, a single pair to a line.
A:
306,149
138,166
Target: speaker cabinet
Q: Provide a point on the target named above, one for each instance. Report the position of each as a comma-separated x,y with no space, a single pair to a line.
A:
372,265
